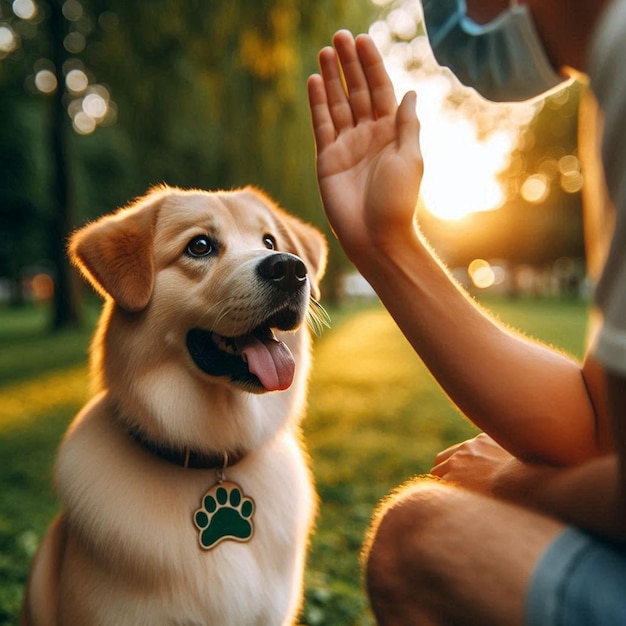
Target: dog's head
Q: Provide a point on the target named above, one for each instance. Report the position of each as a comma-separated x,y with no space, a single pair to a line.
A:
215,275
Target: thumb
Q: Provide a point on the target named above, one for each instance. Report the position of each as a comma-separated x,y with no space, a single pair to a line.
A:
407,124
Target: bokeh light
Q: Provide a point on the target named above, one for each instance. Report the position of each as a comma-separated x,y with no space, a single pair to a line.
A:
571,175
535,188
74,42
72,10
83,123
402,23
484,275
94,108
8,40
88,105
42,287
24,9
46,81
76,81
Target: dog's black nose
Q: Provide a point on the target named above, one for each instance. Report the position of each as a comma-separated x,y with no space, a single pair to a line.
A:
286,271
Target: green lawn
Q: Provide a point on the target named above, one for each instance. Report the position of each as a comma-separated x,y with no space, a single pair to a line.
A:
376,418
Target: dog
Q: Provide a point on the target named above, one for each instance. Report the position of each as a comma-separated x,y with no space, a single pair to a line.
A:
185,488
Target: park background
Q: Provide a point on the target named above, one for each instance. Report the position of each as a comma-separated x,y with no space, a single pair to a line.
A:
101,99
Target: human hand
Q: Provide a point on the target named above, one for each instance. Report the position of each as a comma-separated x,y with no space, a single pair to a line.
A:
475,464
369,163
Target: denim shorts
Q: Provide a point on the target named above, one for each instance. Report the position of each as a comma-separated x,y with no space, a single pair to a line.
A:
579,581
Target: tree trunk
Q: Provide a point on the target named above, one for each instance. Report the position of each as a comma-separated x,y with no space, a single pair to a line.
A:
65,303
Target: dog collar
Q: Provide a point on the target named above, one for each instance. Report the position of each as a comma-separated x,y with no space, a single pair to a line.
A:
226,511
187,457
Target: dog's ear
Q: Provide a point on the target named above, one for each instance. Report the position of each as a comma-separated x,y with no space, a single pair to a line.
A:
115,253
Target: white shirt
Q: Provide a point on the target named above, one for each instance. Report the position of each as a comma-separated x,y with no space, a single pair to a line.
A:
607,71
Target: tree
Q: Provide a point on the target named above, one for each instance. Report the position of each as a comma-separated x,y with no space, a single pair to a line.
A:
40,37
65,311
19,242
207,94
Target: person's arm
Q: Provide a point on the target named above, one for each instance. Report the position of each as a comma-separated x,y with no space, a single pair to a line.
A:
536,402
589,495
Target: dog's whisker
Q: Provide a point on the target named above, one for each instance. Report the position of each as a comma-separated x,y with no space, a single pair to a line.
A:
221,314
317,317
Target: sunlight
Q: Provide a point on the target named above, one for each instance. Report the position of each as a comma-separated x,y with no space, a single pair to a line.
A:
28,400
461,170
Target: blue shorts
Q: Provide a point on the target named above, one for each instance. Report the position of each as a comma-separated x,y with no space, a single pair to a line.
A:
579,581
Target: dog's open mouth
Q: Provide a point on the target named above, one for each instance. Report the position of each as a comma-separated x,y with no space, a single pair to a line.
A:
257,361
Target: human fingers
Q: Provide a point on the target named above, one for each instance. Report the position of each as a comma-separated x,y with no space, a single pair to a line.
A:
338,104
380,86
323,125
444,455
459,460
354,75
473,444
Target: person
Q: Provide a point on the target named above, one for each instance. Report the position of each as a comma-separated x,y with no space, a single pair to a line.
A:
525,523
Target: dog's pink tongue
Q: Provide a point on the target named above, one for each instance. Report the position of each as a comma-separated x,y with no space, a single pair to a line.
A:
269,360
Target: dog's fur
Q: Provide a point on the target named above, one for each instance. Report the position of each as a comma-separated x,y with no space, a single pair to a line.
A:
124,549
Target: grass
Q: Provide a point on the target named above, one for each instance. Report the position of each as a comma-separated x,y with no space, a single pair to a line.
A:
376,418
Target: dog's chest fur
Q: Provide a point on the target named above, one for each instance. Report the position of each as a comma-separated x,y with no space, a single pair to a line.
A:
151,530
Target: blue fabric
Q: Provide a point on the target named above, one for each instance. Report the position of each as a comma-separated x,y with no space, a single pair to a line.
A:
579,581
502,60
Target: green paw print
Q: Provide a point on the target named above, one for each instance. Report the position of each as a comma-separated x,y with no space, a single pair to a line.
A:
225,514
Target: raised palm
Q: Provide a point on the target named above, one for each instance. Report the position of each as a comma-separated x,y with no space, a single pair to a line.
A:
368,158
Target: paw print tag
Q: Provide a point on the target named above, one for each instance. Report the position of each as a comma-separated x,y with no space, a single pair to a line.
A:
225,513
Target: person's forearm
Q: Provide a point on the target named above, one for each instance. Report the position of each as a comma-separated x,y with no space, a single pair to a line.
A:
529,398
587,496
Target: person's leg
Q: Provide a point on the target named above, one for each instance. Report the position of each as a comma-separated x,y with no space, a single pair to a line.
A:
580,580
438,554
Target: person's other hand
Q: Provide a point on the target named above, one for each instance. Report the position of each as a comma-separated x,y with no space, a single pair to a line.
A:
475,464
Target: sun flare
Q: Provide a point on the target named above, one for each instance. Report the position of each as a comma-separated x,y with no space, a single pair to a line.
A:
460,169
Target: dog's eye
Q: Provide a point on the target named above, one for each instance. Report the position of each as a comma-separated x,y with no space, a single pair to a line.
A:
269,242
200,246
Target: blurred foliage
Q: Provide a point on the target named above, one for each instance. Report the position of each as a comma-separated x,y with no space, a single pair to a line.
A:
202,94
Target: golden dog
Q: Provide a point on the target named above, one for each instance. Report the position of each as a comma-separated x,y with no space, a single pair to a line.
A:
186,495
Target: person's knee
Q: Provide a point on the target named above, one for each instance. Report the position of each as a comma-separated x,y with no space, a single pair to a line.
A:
399,554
